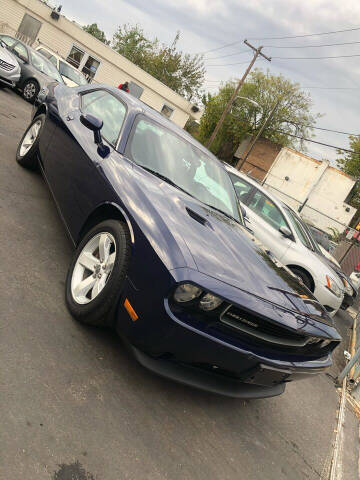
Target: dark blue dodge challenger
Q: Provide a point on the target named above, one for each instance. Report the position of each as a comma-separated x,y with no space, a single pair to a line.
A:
162,253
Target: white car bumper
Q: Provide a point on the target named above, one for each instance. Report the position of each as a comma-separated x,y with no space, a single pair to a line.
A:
9,77
330,301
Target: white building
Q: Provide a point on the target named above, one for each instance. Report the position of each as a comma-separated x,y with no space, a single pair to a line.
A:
322,189
34,20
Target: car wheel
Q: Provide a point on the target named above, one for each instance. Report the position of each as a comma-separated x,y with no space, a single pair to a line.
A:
28,148
97,273
30,90
304,278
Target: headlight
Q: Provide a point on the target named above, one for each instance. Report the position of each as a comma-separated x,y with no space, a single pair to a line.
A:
209,302
332,286
186,292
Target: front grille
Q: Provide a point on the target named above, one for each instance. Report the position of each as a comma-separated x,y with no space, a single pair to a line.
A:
267,334
6,66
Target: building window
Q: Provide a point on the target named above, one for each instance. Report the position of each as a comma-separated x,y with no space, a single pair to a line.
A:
29,28
90,67
84,62
75,56
135,89
167,111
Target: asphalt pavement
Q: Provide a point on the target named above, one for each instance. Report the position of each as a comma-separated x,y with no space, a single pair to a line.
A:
75,405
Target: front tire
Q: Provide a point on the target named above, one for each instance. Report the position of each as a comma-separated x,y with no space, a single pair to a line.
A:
28,148
97,273
30,90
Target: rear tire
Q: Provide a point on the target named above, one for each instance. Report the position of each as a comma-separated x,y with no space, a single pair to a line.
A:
95,305
28,148
30,91
306,280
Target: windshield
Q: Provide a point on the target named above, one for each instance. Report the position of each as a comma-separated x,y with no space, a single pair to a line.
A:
72,74
45,66
302,231
158,149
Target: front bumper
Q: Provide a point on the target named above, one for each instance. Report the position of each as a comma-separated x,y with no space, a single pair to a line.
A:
331,302
9,78
211,382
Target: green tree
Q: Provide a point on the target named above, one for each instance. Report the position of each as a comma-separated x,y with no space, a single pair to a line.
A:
350,164
95,31
293,114
182,72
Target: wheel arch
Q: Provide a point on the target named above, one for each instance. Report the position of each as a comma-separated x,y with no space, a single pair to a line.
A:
42,108
28,79
105,211
306,272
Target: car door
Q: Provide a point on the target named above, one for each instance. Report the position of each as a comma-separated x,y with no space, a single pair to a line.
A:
266,219
73,165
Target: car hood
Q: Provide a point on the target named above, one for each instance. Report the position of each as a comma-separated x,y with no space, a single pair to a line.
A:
8,57
225,250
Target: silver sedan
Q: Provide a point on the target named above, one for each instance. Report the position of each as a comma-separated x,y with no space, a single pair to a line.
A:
9,67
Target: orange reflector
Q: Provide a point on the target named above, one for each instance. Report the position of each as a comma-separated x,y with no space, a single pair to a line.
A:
328,281
304,296
130,310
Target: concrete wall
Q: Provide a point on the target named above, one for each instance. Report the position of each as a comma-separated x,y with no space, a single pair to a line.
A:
60,35
295,177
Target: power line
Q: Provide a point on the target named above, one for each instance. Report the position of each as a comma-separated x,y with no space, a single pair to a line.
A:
280,38
315,58
324,129
230,55
310,46
333,88
307,35
315,141
286,58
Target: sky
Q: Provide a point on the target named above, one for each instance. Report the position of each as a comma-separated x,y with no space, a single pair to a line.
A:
209,24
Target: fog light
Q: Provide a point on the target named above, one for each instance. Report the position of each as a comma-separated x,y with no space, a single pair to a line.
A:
186,292
209,302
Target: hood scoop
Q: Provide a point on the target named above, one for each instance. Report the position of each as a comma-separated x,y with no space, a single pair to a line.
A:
198,218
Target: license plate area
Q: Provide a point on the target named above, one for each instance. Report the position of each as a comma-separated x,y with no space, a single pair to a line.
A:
268,376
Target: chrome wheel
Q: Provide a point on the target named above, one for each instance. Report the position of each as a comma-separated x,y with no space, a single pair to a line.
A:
29,90
30,137
93,268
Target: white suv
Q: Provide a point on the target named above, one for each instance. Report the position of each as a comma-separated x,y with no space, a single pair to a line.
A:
282,231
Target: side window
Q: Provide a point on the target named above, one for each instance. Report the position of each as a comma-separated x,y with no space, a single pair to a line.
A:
299,230
109,109
21,51
48,55
242,188
264,207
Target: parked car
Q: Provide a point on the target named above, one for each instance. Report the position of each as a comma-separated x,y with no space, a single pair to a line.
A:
350,292
283,232
161,250
36,71
355,279
9,67
69,74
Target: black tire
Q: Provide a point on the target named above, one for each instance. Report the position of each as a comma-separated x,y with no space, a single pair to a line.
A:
305,279
99,311
30,159
34,87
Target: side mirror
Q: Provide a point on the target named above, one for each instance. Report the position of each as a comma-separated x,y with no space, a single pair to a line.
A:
95,124
285,231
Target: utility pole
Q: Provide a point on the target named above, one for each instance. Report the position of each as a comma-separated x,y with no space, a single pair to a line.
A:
233,96
241,162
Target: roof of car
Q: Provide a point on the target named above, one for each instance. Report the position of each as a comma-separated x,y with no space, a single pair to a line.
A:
157,116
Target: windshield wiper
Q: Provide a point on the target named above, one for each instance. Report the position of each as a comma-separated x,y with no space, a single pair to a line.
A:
166,179
224,213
